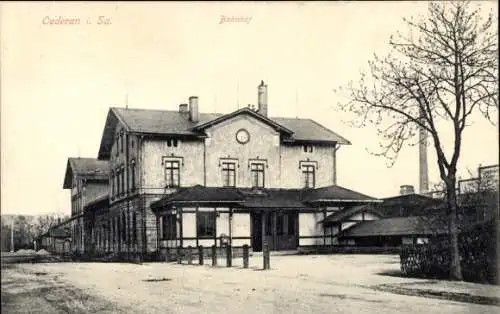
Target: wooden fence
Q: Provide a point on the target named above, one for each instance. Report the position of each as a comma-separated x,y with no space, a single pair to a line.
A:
349,249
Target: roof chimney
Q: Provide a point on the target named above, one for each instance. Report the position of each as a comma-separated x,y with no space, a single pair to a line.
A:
262,99
406,189
183,108
194,114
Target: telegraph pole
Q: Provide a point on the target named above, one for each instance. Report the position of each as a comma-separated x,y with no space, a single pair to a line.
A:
12,237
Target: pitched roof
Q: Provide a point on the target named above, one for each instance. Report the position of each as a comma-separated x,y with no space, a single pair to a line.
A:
410,199
248,111
90,168
409,205
397,226
310,130
60,232
200,194
161,121
346,213
273,198
335,193
173,122
255,198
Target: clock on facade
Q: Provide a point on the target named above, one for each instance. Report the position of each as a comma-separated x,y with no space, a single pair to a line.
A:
242,136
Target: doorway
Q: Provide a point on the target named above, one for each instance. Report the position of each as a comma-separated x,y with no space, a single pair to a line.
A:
256,231
278,228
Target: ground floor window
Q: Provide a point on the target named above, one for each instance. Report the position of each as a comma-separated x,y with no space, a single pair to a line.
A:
124,228
205,224
134,228
292,221
280,224
169,227
269,224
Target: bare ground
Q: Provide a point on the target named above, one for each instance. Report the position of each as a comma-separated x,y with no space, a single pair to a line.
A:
295,284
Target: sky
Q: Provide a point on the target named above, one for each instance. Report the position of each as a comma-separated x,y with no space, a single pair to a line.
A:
58,81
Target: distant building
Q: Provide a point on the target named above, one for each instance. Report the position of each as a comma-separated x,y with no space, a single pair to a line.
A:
381,222
87,178
57,239
411,218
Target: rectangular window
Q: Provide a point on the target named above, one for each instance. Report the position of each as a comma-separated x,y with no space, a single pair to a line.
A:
118,230
308,148
134,228
117,145
122,173
169,227
269,224
118,185
112,181
172,173
229,174
280,224
114,187
479,214
291,223
132,174
205,224
113,225
124,228
121,142
172,142
257,170
308,173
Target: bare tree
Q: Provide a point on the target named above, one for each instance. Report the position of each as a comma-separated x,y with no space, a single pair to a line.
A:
45,222
435,77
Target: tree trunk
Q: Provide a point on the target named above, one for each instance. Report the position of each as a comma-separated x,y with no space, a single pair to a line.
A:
455,267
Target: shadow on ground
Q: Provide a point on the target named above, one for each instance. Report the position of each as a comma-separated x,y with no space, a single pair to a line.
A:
404,289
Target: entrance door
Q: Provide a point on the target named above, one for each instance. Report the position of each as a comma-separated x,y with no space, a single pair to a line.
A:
280,230
286,234
256,232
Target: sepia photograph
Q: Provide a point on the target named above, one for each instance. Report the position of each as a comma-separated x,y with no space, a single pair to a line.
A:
249,157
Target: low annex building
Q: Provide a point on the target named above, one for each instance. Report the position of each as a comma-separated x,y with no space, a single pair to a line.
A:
287,219
57,239
185,178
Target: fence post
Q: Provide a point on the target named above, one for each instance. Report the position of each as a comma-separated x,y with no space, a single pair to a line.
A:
265,255
245,256
229,256
214,255
190,255
200,255
179,255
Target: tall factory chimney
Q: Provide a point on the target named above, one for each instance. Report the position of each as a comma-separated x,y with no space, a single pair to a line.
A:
423,167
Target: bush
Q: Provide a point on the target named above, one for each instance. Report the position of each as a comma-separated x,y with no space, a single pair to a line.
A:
478,257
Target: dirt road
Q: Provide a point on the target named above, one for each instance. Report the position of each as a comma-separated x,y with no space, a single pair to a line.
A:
295,284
